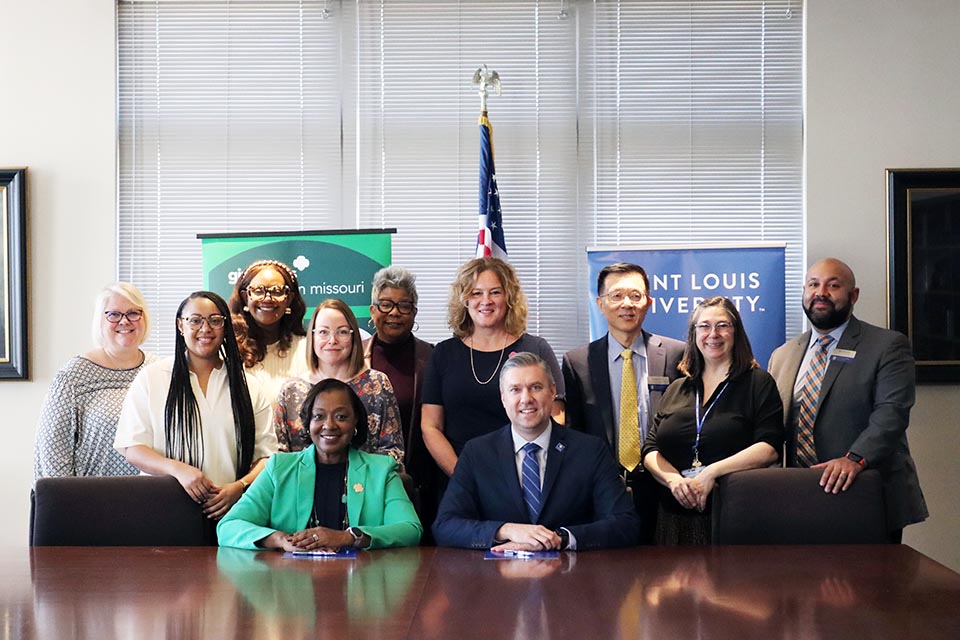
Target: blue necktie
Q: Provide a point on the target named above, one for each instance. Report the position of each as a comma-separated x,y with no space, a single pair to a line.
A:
530,471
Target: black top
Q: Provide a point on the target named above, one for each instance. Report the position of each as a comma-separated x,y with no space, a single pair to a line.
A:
471,409
329,498
749,411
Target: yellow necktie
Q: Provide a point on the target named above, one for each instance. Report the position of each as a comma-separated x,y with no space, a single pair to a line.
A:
628,450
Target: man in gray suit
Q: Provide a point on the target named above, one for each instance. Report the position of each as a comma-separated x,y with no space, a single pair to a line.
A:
594,377
849,412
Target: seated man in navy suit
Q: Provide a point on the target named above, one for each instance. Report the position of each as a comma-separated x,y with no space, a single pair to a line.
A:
535,485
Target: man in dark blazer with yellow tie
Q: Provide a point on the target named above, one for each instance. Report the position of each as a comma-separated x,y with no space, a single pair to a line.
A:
852,415
593,376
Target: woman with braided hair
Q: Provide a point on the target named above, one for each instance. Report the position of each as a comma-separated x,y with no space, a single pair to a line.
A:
197,416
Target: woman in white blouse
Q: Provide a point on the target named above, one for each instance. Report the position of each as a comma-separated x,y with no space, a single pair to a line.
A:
197,416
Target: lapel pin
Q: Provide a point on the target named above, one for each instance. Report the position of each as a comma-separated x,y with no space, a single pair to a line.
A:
560,446
358,488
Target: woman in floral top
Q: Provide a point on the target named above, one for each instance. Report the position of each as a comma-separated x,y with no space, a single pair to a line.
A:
338,353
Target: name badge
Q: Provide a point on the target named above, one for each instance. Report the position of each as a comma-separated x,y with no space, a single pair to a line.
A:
692,472
658,383
843,355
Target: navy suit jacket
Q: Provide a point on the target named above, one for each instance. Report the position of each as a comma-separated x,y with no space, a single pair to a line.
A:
586,374
581,492
864,407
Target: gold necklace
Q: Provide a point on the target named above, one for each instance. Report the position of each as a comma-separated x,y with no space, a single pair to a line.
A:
495,369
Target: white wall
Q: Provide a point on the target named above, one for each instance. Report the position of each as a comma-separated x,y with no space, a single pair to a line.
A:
57,118
882,92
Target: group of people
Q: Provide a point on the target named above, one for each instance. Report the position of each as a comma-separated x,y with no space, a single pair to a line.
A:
503,448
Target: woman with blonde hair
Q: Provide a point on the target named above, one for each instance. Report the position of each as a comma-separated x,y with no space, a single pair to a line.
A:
487,312
78,420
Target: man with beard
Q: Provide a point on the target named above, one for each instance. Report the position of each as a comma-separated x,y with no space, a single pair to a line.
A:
847,389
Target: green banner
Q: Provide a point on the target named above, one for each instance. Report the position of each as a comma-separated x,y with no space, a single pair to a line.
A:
329,264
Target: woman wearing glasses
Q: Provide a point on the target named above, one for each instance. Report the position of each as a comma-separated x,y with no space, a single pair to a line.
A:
267,312
724,415
197,416
338,353
394,350
78,420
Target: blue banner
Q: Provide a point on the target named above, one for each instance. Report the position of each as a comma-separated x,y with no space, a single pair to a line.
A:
751,276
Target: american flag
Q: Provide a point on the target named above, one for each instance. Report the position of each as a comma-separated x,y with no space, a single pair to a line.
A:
490,240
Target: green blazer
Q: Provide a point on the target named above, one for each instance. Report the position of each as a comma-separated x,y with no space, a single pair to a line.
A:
281,499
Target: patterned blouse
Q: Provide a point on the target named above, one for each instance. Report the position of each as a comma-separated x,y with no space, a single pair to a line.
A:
383,415
78,421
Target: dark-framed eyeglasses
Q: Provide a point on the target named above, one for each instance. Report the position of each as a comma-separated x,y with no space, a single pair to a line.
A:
619,295
386,306
259,292
214,321
113,317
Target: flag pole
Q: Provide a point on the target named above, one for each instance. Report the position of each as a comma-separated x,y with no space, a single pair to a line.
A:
490,240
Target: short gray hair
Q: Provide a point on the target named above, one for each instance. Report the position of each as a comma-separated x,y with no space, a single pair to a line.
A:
526,359
124,290
394,277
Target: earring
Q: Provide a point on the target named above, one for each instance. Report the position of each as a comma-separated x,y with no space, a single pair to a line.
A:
416,326
246,309
287,312
369,323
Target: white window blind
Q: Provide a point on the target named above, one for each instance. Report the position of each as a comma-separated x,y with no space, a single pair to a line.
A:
229,121
632,123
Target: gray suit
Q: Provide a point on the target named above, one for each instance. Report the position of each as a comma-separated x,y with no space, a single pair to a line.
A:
864,407
589,406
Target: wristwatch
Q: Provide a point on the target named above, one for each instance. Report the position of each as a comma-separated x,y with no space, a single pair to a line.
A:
357,536
853,457
564,538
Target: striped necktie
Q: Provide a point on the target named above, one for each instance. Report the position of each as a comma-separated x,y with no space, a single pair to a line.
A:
808,403
628,447
530,471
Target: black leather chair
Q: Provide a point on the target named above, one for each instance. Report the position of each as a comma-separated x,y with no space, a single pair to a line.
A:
788,506
117,511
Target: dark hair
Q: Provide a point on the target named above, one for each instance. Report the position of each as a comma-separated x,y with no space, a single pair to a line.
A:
181,416
249,333
357,363
359,411
618,268
743,360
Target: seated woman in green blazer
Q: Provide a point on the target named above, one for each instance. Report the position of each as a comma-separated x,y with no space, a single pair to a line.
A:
329,495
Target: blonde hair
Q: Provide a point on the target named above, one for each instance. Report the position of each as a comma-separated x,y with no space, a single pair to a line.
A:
357,363
459,319
126,291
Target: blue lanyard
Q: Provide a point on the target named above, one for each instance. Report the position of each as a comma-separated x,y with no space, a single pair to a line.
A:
700,421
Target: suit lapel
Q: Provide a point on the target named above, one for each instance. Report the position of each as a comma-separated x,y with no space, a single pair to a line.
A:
356,484
306,484
600,377
849,341
656,355
507,463
555,456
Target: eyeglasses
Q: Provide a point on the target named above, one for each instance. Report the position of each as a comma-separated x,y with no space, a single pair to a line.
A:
339,334
215,321
617,296
720,327
386,306
113,317
259,292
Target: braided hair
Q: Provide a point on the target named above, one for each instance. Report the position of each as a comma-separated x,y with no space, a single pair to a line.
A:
181,416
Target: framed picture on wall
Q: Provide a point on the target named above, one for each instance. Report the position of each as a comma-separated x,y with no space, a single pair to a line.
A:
924,267
13,297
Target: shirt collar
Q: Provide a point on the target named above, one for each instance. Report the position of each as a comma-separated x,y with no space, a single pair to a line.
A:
543,439
836,334
614,348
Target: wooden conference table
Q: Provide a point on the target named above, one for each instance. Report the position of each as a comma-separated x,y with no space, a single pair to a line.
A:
664,593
